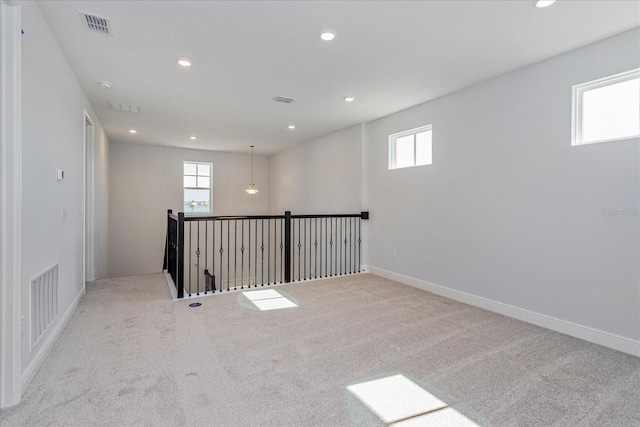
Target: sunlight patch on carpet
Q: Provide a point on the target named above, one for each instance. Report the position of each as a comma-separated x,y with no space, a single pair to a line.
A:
443,417
400,402
268,299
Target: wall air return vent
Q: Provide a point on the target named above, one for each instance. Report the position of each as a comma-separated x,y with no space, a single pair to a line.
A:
44,303
127,108
283,99
96,23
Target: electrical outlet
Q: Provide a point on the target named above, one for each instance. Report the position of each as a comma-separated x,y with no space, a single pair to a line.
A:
393,253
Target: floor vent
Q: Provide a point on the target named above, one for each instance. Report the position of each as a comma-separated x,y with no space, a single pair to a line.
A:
44,303
283,99
96,23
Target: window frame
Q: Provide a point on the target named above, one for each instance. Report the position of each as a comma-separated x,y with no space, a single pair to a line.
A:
392,146
577,92
184,188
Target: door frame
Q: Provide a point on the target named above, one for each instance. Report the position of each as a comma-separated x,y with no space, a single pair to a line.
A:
11,324
89,273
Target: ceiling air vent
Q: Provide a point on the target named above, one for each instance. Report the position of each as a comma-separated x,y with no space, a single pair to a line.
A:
119,106
96,23
283,99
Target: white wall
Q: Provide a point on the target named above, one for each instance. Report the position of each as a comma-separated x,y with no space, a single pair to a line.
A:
320,176
145,181
509,211
53,137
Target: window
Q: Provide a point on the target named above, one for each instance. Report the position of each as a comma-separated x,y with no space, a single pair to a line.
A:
410,148
197,187
607,109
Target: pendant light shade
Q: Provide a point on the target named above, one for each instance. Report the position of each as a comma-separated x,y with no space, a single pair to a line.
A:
252,187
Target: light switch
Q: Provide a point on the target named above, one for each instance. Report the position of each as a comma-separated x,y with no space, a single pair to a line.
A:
59,174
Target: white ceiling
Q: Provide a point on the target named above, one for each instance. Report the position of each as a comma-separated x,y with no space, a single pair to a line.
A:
390,55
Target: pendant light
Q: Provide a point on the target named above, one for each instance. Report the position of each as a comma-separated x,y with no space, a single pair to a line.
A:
252,188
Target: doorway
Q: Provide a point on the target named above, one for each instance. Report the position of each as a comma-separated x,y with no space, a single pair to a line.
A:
89,232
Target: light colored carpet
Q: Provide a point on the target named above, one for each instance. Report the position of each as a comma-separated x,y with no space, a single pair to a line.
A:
131,356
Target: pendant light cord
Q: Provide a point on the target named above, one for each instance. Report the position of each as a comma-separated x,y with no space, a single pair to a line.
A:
252,165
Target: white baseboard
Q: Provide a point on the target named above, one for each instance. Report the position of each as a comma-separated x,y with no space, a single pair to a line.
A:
616,342
47,345
172,286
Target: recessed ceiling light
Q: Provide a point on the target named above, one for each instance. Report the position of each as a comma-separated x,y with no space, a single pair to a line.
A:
133,131
543,3
291,126
184,62
192,137
349,98
328,35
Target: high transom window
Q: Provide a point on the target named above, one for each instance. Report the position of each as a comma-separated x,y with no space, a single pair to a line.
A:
410,148
607,109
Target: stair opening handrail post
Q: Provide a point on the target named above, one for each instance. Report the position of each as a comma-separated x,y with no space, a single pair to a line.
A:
287,246
165,265
180,270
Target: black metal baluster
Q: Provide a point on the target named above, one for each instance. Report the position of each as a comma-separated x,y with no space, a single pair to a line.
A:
347,238
339,241
293,249
282,274
221,251
206,263
268,251
228,254
262,252
355,248
356,221
255,253
326,247
213,248
235,254
299,252
331,246
242,256
198,260
344,256
304,239
359,248
337,248
249,272
310,242
321,258
315,247
341,245
346,242
190,250
352,236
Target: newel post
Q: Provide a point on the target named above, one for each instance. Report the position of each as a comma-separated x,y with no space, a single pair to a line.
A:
165,265
180,272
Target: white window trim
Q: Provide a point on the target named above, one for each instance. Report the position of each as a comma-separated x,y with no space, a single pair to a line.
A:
576,104
210,189
392,145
